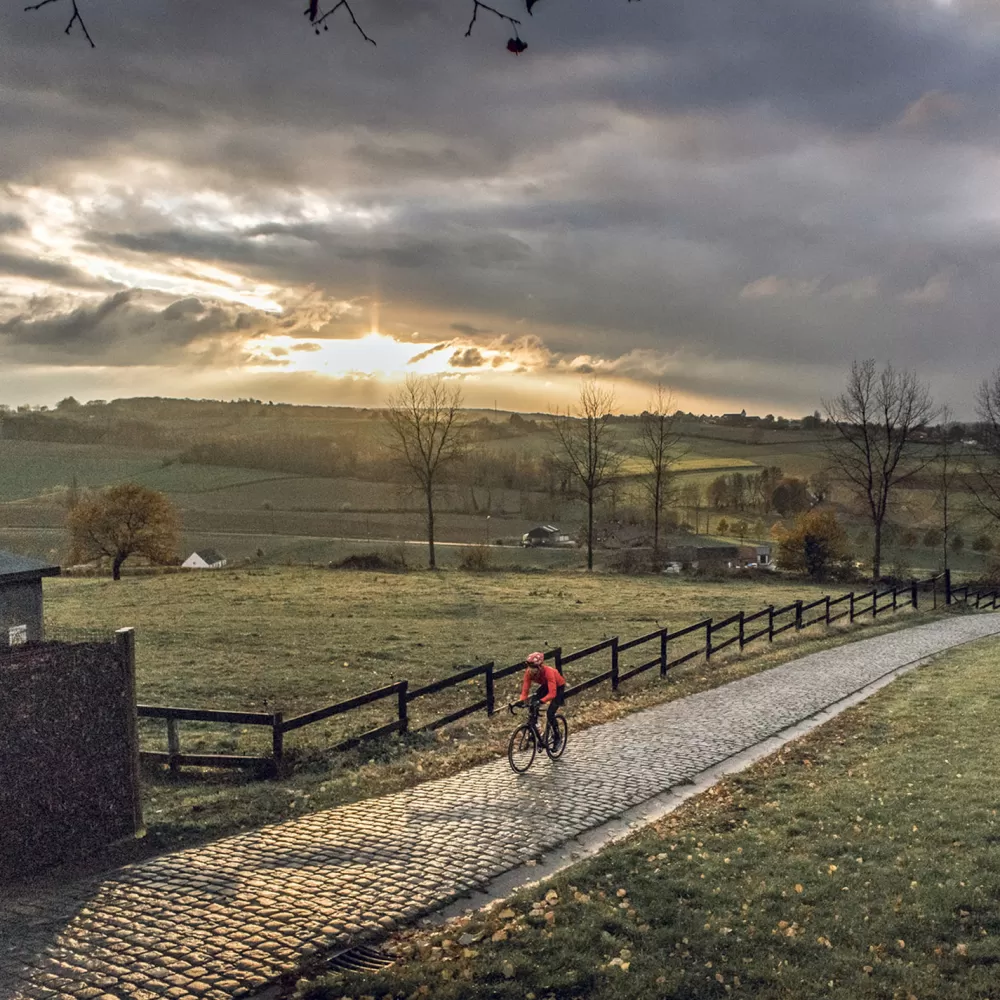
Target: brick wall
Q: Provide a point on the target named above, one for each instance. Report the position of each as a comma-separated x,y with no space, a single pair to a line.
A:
68,775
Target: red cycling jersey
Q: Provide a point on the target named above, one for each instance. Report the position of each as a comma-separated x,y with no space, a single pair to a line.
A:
551,678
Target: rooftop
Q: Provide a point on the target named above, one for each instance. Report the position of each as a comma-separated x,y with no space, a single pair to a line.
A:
15,568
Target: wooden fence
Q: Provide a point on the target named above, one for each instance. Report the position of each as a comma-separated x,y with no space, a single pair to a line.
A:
704,638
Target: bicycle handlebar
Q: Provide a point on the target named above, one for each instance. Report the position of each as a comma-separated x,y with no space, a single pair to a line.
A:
532,702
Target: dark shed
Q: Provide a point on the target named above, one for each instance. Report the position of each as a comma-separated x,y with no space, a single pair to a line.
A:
21,598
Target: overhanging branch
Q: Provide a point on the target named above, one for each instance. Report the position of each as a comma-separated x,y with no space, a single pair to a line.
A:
317,19
76,18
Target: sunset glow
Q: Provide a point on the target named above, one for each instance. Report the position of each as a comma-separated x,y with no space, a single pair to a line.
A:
211,206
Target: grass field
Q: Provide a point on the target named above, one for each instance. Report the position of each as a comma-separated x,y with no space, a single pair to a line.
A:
297,639
859,862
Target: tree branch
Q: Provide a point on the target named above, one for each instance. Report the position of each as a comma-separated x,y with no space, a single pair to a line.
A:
476,4
76,17
317,19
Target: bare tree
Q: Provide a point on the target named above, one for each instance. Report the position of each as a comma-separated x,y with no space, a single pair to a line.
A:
984,483
692,496
949,460
659,446
875,418
427,434
587,452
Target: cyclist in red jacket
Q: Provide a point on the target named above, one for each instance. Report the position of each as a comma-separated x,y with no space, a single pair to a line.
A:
553,683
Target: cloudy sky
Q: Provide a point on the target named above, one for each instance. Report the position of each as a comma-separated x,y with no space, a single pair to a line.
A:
732,197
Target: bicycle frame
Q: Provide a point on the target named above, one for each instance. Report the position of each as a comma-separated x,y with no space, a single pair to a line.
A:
534,710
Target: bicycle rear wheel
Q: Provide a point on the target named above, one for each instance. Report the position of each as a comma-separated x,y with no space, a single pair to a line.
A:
521,749
558,736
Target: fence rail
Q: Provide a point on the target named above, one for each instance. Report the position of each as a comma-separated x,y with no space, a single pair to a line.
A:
901,597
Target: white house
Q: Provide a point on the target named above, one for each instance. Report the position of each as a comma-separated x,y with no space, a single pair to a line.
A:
205,559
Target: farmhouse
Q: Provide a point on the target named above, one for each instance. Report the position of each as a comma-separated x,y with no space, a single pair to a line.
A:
757,556
705,556
545,534
204,559
21,598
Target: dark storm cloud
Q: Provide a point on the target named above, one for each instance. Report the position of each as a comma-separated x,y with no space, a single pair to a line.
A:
776,181
121,330
10,223
469,357
263,247
468,330
21,265
427,353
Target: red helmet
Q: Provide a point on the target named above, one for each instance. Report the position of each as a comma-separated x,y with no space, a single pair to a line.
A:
535,659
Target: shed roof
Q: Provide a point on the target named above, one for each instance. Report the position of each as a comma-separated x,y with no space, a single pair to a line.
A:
210,556
16,569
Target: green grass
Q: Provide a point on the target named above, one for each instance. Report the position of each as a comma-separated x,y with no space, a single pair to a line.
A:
37,469
859,862
33,468
296,639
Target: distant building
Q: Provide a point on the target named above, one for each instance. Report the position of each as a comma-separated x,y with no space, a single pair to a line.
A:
204,559
545,535
691,556
734,419
21,598
757,556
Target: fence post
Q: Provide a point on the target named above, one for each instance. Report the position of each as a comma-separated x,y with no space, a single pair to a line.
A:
708,639
277,743
404,720
827,609
614,664
798,615
663,651
490,691
851,605
770,623
895,591
913,593
947,586
125,640
557,658
742,613
173,744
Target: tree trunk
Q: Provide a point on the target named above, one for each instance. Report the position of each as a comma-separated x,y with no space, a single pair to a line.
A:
590,531
430,528
116,566
944,534
877,553
656,532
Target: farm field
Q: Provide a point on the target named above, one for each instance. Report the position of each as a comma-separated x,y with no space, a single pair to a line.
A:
262,516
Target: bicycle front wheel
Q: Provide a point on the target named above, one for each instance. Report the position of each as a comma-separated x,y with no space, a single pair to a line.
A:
521,749
556,743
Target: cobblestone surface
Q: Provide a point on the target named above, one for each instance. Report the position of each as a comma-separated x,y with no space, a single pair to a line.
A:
218,921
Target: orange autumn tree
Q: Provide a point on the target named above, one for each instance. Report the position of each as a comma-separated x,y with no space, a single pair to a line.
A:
816,544
120,521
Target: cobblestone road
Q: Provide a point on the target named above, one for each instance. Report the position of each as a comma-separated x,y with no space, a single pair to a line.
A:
218,921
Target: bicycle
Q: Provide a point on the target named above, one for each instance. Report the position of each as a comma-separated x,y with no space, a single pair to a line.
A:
526,739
